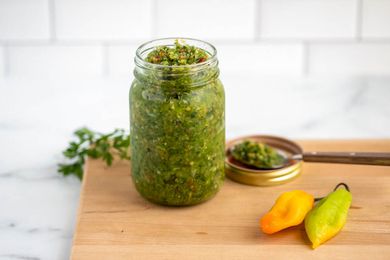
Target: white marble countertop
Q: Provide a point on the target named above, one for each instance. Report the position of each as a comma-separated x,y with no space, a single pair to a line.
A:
38,206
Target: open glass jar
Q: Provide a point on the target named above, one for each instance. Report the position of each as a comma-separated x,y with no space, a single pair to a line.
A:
177,125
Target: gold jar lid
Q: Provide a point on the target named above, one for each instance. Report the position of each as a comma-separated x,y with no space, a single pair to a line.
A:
249,175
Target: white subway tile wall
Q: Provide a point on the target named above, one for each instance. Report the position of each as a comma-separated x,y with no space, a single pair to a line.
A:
2,60
54,60
376,16
206,19
103,19
121,60
262,58
24,19
306,19
266,37
359,59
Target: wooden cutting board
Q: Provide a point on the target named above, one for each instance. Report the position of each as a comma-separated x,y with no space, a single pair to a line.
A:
114,222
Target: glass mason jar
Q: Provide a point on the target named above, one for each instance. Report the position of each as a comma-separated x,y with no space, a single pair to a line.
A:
177,126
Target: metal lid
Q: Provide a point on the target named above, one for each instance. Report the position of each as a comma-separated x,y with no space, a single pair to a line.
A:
249,175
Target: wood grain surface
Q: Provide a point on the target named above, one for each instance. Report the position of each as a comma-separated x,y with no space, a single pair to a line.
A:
114,222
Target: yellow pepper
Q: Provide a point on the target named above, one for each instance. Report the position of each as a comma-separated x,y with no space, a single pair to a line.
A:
289,210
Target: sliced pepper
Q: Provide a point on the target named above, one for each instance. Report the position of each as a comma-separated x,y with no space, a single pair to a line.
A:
328,216
289,210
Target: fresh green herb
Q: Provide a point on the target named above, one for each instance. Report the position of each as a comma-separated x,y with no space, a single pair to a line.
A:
95,145
257,154
180,54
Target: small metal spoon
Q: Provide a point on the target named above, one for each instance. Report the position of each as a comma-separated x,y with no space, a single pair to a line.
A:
293,153
338,157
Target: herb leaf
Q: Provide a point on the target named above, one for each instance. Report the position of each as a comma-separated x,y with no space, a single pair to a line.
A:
94,145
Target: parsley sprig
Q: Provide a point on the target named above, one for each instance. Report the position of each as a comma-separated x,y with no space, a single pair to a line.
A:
95,145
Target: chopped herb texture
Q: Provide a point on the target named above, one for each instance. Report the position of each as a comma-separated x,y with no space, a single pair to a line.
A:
180,54
256,154
178,129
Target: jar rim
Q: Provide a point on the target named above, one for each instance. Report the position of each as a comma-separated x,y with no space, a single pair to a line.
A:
146,47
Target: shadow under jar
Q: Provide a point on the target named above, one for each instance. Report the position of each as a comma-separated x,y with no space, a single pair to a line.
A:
177,125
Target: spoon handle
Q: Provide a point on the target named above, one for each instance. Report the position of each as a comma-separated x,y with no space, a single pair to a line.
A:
347,157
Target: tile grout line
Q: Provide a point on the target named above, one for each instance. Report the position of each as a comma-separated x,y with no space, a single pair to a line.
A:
6,61
82,42
359,20
52,20
305,54
105,60
257,27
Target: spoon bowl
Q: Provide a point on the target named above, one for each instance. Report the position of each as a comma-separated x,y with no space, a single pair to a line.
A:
264,177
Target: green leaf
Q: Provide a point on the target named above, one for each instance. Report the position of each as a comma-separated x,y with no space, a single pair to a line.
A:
94,145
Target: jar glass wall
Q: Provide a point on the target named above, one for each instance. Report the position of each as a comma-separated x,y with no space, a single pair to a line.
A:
177,125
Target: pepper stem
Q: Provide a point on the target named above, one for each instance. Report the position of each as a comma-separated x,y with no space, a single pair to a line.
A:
341,184
335,188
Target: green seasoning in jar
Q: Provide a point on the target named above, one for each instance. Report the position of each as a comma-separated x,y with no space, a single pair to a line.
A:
177,111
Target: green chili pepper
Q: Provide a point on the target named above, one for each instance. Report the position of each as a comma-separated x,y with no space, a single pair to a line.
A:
328,217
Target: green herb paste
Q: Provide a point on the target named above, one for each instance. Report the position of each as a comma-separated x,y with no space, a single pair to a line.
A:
177,127
256,154
180,54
